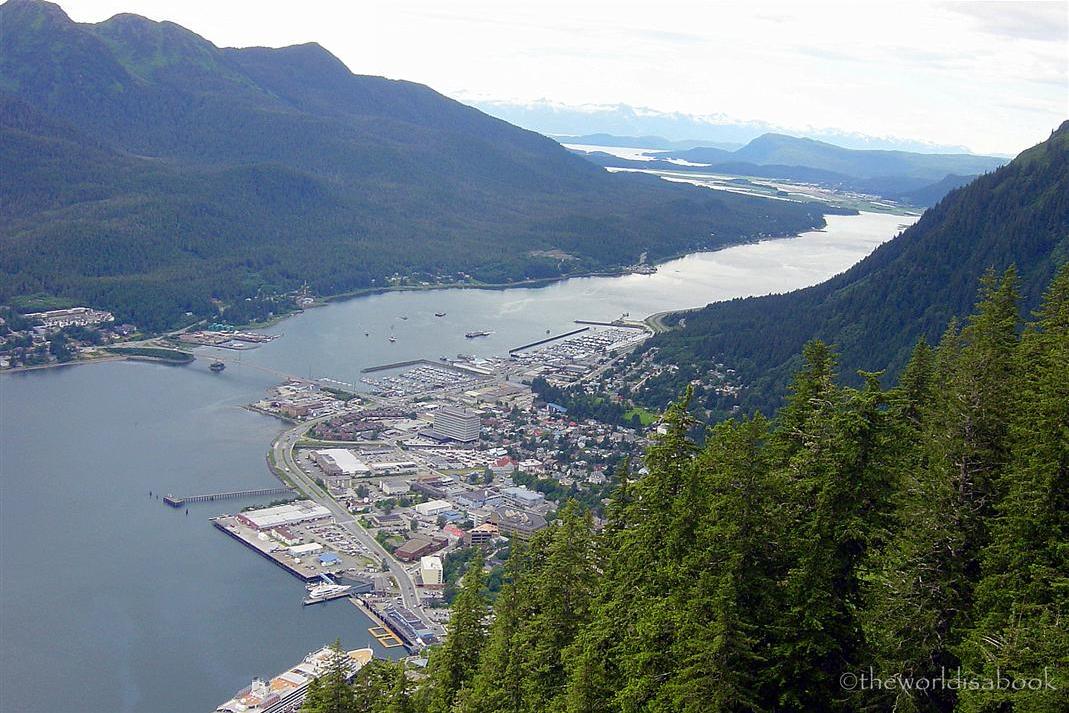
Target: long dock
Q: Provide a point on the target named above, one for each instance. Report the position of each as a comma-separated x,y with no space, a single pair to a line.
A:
177,502
395,365
547,340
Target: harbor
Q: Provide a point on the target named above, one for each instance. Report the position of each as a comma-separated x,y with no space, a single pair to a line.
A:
186,432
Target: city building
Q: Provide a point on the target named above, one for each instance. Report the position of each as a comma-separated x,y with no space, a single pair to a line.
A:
340,462
430,571
503,466
521,497
456,423
483,534
288,514
516,523
395,487
431,508
419,546
478,498
80,316
310,548
531,466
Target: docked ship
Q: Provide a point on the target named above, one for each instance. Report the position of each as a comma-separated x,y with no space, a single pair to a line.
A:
217,366
285,692
473,335
325,592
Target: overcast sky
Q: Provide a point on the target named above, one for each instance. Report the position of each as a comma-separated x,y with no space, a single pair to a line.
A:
991,76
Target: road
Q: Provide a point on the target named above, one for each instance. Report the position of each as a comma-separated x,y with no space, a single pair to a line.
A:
282,450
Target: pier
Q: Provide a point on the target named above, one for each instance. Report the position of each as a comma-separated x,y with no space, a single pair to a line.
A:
548,339
396,365
177,502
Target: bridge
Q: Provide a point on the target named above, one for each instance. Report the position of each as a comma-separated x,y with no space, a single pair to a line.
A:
177,502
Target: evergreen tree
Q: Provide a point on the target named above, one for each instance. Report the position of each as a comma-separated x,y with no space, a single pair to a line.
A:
398,699
733,573
455,662
1022,601
332,693
912,591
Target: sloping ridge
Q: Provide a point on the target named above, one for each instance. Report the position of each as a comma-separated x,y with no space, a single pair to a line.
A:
910,287
150,172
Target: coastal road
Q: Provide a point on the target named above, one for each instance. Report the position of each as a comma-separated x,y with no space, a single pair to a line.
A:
282,450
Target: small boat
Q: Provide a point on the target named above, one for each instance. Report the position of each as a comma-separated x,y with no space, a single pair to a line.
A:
367,334
547,331
404,316
217,366
392,339
439,314
473,335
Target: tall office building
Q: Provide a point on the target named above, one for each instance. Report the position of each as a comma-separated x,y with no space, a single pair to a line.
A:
456,423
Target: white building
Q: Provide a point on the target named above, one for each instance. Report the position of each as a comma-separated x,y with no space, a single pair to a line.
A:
310,548
395,487
531,466
281,515
430,571
432,508
521,497
456,423
339,461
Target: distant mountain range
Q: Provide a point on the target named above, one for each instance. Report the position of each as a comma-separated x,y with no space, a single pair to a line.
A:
147,171
560,120
910,287
920,179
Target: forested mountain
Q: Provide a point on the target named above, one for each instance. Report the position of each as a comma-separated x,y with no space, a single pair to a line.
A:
868,549
147,171
910,287
918,179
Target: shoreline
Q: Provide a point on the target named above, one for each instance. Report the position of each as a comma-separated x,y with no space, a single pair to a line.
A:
653,321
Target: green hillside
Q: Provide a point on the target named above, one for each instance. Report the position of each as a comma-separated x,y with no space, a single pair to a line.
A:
910,287
148,171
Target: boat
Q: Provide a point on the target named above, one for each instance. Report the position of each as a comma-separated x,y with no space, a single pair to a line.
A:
473,335
392,339
439,314
286,691
404,316
367,334
325,592
217,366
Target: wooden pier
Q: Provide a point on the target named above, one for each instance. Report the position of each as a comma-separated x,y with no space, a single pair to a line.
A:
177,502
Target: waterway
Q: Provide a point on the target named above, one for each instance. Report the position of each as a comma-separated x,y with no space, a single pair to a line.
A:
112,602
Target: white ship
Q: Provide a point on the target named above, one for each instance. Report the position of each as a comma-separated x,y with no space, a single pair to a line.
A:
285,692
325,592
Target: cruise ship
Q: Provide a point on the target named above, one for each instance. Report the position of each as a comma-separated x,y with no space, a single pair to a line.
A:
285,692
